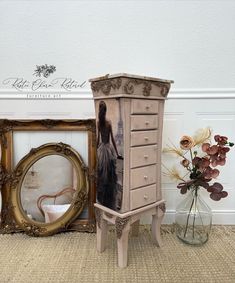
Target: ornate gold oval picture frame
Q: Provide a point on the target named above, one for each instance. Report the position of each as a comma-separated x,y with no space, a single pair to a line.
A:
36,228
83,130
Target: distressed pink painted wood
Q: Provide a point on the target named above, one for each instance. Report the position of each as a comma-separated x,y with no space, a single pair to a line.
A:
129,113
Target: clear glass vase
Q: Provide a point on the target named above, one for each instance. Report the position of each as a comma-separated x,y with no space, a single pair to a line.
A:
193,219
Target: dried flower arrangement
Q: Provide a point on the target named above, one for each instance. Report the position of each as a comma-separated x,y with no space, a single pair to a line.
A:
200,164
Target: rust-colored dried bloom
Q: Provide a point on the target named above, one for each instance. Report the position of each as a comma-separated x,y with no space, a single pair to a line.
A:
223,150
212,150
210,173
217,153
186,142
221,140
201,163
217,160
185,162
216,191
205,147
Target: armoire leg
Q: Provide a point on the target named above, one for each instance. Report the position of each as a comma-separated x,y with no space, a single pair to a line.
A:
156,224
122,230
101,231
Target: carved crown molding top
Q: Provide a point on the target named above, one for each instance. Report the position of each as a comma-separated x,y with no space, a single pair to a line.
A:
106,86
124,84
129,87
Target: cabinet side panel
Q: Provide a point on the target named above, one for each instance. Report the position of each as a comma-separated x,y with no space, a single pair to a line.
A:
110,152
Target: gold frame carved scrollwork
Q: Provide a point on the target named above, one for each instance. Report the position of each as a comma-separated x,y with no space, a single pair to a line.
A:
13,218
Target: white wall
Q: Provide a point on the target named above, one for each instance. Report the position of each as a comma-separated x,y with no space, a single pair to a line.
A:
191,42
184,117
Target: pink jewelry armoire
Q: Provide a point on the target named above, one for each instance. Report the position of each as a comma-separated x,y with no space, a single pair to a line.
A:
129,114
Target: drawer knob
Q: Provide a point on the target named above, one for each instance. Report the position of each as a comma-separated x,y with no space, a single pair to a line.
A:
147,107
146,138
147,122
146,156
145,177
146,197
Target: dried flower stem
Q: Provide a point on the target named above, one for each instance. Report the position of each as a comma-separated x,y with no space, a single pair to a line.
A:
191,154
186,228
194,216
195,196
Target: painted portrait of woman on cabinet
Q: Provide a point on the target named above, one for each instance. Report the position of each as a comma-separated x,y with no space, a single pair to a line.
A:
109,155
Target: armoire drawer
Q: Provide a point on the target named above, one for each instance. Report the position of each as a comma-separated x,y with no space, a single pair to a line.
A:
142,196
143,155
140,106
144,122
143,138
143,176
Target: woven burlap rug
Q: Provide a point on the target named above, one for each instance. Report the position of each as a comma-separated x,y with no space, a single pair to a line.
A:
72,257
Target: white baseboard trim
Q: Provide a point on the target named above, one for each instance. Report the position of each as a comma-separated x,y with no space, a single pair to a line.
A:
224,217
220,217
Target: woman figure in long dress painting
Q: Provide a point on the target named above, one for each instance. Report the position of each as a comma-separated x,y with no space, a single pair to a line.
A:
107,154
